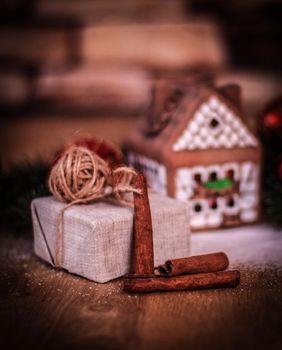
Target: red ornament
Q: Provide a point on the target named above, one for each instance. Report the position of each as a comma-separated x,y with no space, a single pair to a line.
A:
273,121
103,148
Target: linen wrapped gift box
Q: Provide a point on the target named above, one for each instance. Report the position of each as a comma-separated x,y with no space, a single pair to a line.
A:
97,238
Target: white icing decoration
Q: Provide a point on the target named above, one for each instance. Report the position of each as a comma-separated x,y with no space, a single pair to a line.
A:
204,133
221,109
241,143
229,116
197,142
214,219
190,146
193,127
249,215
199,118
176,147
205,109
227,130
187,136
214,103
233,139
248,199
198,221
154,171
229,133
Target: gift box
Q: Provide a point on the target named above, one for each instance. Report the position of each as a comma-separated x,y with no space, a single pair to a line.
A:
97,238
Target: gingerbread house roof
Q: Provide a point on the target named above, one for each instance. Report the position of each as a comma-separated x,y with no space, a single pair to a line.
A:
202,118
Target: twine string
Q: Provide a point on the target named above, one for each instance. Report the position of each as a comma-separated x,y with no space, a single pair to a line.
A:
80,176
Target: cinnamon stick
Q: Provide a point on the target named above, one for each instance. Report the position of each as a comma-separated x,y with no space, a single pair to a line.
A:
222,279
143,257
194,264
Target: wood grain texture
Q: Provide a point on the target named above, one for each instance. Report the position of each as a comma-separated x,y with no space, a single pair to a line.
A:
44,308
110,11
38,45
155,46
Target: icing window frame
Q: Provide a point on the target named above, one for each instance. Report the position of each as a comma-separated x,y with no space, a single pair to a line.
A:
202,203
228,167
235,208
199,170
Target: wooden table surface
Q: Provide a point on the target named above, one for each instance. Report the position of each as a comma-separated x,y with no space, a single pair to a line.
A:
44,308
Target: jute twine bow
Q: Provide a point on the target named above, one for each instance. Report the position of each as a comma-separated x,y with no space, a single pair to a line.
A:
81,176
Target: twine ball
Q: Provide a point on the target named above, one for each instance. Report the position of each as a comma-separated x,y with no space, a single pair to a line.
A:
79,175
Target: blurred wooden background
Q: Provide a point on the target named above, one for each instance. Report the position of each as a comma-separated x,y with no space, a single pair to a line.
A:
70,68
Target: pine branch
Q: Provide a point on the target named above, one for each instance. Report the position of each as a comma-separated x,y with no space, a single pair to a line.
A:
18,187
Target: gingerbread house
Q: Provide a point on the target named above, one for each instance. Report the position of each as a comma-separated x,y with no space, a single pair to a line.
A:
194,145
